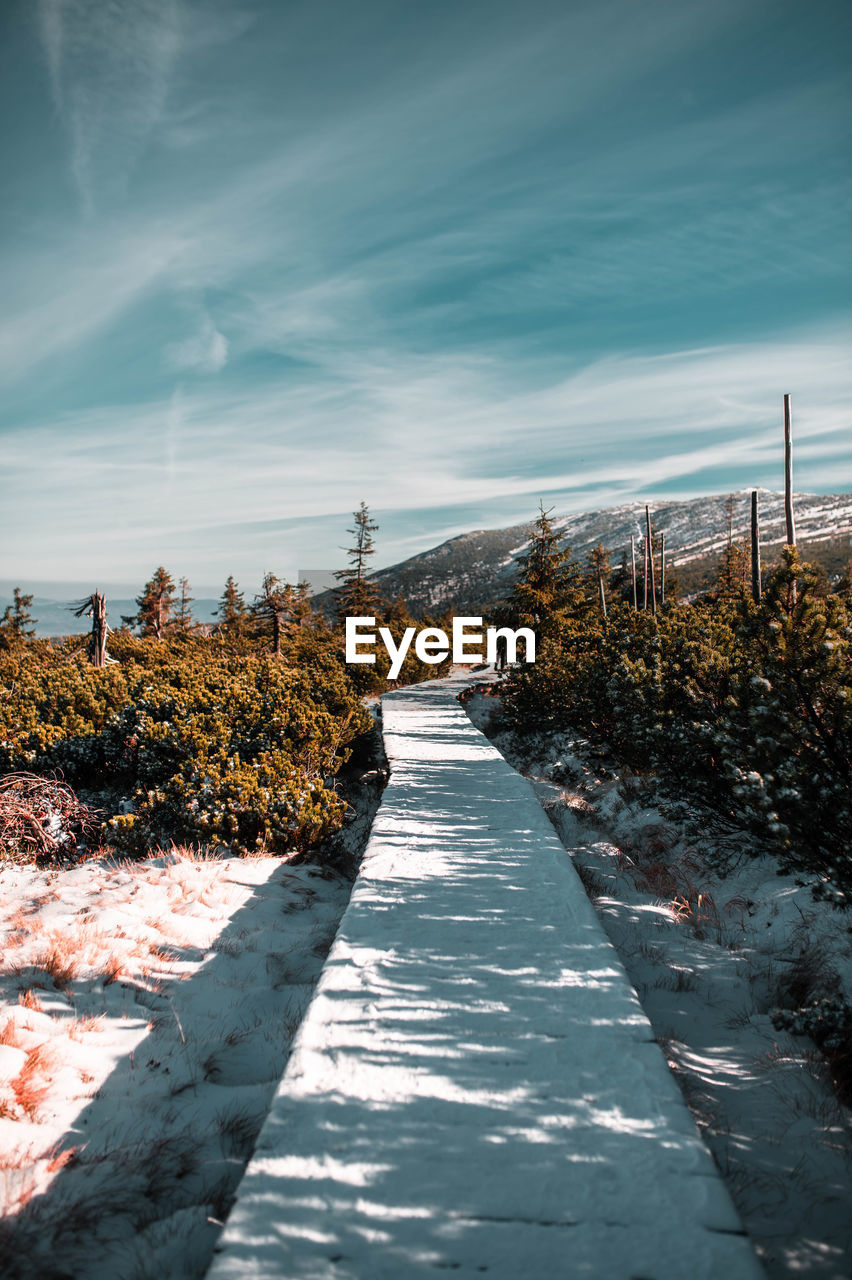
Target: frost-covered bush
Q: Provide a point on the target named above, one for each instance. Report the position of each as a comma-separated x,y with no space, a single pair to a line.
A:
826,1021
748,708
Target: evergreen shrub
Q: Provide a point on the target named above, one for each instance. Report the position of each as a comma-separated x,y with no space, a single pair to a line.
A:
229,750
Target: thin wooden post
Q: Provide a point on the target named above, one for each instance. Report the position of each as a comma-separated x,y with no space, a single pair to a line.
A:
650,558
756,585
788,485
633,569
788,473
662,568
645,573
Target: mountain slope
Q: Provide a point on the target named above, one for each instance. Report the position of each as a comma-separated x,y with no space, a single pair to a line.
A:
471,571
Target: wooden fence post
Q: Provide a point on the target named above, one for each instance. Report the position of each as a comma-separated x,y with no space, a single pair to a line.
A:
662,568
633,568
650,542
756,585
645,574
788,473
788,484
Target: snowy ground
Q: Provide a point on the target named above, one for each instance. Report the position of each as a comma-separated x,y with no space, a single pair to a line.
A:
146,1014
710,955
475,1087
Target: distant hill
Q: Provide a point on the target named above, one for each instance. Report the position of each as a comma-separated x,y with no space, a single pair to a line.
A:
54,618
473,570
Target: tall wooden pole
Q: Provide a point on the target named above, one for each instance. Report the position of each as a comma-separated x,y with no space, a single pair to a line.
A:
650,559
633,570
662,568
756,586
788,473
645,574
788,484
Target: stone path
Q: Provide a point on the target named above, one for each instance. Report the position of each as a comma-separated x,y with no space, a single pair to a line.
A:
475,1088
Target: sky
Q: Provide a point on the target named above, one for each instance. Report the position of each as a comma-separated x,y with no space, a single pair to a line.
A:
265,260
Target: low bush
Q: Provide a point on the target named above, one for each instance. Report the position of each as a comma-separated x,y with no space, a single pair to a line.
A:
204,745
748,708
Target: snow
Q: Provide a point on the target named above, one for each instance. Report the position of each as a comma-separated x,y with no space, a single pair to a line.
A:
711,951
475,1086
146,1012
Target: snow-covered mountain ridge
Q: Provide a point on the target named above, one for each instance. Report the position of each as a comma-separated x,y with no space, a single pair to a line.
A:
474,569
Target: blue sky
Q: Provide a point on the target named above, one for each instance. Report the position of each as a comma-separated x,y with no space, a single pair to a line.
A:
262,261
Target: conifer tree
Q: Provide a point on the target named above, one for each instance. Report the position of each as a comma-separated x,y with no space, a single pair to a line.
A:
232,606
285,606
357,596
598,575
183,617
155,605
548,583
17,623
733,571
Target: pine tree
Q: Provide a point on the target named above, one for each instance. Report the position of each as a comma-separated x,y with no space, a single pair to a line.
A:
232,606
732,576
357,596
548,582
285,606
598,575
183,617
17,623
155,605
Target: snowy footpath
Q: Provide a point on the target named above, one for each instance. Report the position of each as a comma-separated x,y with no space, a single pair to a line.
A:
475,1087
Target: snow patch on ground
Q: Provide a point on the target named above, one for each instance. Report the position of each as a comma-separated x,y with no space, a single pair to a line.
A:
710,954
146,1015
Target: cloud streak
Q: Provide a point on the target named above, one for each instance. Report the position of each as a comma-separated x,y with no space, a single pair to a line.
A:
426,438
444,258
110,67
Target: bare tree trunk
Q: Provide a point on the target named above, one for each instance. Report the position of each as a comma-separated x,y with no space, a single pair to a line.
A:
633,569
788,483
276,632
788,473
651,559
662,568
99,631
756,585
645,574
603,593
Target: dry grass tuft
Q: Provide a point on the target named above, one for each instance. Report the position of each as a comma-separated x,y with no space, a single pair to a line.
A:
32,1085
30,1000
9,1034
59,961
59,1157
82,1026
111,969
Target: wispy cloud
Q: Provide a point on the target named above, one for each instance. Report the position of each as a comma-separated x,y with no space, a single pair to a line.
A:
110,66
442,258
427,436
206,351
